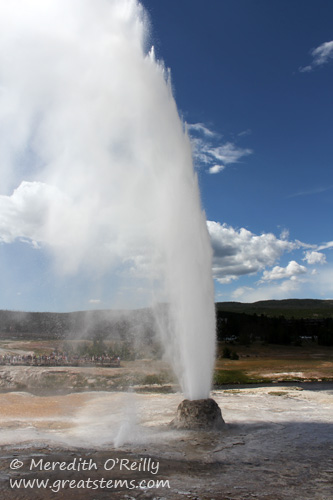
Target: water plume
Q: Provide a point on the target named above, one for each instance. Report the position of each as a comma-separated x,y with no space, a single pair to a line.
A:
96,165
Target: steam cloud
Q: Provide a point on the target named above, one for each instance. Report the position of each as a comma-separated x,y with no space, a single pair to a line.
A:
95,164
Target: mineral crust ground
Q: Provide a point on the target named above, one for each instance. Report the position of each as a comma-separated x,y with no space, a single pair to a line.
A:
276,444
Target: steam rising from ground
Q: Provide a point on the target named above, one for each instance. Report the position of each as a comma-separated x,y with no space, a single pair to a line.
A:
85,419
96,166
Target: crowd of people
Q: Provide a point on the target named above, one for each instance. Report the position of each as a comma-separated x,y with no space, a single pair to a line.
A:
59,359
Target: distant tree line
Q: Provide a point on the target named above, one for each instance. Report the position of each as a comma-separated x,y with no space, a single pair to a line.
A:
245,328
117,325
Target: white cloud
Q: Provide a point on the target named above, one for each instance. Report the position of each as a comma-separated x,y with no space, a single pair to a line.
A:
290,271
201,128
284,234
301,244
41,215
325,246
321,55
228,153
322,283
313,257
285,289
240,252
216,169
208,151
94,301
314,284
24,214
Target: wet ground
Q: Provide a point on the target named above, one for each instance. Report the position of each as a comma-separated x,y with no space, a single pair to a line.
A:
277,444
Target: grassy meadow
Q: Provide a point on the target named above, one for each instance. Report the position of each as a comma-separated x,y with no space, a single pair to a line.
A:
271,363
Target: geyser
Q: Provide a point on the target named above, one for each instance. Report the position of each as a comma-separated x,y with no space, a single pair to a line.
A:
96,165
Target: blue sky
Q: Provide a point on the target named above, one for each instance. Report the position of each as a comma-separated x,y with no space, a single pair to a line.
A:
253,81
245,70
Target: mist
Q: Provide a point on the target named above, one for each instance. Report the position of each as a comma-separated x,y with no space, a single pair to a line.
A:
96,164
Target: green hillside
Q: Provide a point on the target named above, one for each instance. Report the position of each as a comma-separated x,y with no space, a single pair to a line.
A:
289,308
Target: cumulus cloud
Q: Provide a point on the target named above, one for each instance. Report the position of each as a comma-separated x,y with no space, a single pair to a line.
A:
241,252
321,55
24,214
319,284
208,151
290,271
313,257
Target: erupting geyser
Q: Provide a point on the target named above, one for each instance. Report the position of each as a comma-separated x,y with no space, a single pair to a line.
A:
97,166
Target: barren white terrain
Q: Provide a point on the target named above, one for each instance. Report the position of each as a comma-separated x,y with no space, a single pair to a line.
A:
277,442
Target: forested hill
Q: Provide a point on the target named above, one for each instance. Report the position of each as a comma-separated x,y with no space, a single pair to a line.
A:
119,325
128,325
290,321
289,308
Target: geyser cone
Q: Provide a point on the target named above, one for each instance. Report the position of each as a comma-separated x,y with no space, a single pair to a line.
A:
198,414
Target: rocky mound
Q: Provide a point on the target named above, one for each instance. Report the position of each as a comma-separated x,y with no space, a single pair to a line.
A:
198,414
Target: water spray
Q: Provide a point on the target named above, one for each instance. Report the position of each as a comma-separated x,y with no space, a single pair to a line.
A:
96,153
